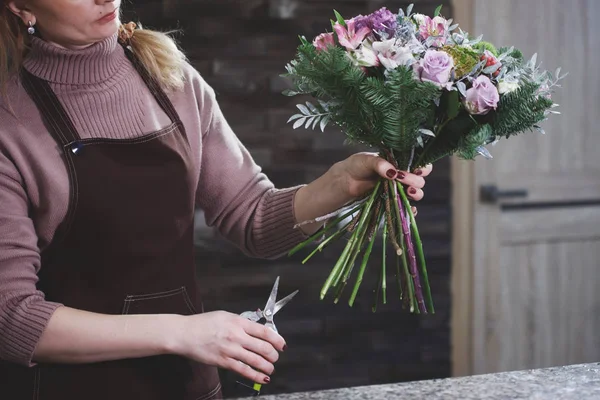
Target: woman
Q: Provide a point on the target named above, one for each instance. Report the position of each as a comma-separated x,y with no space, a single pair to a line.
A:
108,141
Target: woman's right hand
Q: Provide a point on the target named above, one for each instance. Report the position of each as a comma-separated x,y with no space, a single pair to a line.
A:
231,342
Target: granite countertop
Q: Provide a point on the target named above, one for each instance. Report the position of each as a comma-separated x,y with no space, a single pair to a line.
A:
558,383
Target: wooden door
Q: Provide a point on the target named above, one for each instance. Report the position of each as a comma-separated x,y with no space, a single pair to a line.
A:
531,295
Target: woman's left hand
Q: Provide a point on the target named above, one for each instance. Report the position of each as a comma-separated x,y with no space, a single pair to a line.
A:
359,173
349,180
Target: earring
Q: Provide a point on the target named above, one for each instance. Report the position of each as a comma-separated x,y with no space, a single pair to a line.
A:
31,29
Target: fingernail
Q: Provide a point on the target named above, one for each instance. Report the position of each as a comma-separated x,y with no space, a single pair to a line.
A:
419,172
267,379
391,173
412,191
284,347
401,175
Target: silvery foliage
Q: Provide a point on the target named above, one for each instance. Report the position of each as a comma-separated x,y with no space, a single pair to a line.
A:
312,115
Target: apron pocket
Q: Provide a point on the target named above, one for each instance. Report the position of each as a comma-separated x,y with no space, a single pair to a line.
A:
176,301
176,376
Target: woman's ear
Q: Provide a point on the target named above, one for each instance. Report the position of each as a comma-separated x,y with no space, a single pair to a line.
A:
20,10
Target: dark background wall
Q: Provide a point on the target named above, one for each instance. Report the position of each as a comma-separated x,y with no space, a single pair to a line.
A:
241,47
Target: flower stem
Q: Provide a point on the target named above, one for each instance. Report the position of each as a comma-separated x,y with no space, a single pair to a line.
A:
409,284
411,256
324,243
383,267
361,272
398,278
321,232
365,232
340,264
419,248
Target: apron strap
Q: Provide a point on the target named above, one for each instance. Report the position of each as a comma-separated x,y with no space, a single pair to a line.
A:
53,113
158,93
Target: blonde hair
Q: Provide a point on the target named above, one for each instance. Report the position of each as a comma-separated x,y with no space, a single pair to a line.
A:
157,51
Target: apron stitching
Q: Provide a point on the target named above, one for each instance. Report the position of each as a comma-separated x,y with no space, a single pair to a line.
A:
36,384
163,132
152,297
60,111
187,299
31,84
135,297
93,141
210,394
126,308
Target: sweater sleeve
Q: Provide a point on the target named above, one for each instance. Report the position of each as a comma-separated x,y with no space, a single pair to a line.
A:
236,196
24,313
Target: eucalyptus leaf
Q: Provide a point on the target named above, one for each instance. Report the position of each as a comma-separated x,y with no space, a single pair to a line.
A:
533,60
312,107
484,152
462,88
427,132
299,122
309,121
453,27
477,39
324,123
315,122
420,141
303,109
409,10
492,68
437,11
294,117
477,68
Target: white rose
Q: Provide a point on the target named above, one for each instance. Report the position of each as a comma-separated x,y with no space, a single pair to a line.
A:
507,87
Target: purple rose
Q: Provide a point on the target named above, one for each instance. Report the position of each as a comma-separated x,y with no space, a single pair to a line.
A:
435,67
382,20
482,97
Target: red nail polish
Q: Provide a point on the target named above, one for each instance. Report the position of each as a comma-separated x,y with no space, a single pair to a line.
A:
401,175
391,173
284,347
419,172
412,191
267,379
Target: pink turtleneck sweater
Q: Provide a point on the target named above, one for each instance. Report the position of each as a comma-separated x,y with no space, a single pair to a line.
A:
106,98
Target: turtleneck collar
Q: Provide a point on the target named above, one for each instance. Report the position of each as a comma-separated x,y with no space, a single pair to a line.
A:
96,63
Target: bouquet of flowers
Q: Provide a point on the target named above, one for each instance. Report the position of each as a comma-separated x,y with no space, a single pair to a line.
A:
416,89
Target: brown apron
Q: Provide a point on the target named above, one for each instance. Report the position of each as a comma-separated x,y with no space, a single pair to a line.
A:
125,247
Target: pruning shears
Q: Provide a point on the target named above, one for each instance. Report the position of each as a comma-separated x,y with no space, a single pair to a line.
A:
271,308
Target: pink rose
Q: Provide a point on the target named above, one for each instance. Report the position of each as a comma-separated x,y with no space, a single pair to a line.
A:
348,36
323,41
482,97
436,66
436,27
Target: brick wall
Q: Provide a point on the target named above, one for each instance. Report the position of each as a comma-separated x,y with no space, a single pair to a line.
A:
241,48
